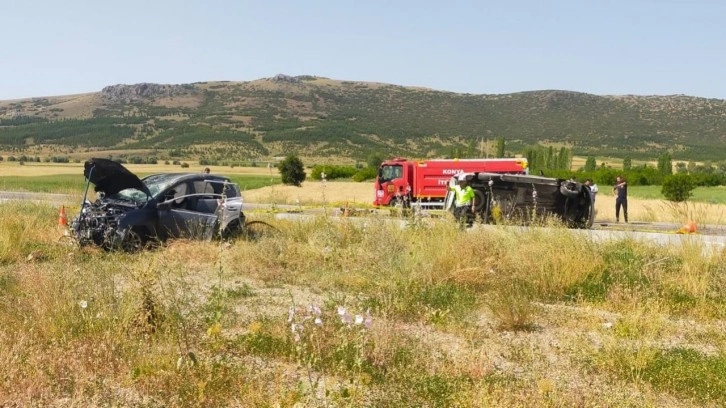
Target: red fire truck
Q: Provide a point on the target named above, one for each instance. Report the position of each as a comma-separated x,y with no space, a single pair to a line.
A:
403,182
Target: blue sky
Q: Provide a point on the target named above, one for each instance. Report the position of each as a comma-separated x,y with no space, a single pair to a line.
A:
642,47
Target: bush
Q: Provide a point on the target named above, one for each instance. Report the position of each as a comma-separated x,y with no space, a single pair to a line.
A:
332,172
292,170
185,165
678,187
368,173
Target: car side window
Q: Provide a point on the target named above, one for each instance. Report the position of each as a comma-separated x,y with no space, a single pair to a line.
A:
180,190
203,187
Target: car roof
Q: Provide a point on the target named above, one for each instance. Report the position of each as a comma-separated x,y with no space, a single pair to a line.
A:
177,177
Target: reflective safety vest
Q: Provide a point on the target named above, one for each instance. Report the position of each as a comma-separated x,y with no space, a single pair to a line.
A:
463,195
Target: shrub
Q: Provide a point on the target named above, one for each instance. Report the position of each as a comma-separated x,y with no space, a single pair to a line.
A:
332,172
678,187
292,170
364,174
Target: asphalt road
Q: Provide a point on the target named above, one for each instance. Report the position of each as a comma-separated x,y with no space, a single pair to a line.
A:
711,236
59,199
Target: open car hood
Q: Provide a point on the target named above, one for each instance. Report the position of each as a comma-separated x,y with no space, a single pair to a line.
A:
111,177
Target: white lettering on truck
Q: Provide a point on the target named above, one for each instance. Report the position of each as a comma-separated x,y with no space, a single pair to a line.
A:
451,171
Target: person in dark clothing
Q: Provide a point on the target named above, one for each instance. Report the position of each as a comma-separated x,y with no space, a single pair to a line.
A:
620,189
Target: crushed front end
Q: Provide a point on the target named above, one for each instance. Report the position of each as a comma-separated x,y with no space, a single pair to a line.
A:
100,223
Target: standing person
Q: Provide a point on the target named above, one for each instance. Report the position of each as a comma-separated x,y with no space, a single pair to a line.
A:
593,189
206,170
464,204
621,200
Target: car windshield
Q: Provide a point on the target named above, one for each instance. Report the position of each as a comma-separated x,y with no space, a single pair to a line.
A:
158,183
131,194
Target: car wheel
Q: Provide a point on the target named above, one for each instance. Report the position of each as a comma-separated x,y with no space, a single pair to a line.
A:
257,229
569,189
134,241
233,230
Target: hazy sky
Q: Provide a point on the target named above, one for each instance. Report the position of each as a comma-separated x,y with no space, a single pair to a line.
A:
643,47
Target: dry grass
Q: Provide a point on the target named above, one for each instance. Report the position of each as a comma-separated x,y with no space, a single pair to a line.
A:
660,211
315,192
489,317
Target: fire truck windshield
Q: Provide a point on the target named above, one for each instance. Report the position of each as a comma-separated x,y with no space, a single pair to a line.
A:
390,172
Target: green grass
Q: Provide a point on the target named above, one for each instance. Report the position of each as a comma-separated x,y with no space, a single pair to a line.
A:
69,184
64,183
687,373
712,195
252,182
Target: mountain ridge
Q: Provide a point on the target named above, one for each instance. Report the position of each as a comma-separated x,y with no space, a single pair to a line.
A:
281,114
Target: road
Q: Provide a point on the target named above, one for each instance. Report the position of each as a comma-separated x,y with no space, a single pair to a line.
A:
51,198
712,236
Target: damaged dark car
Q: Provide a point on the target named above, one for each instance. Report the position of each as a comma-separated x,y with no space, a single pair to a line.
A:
522,199
131,213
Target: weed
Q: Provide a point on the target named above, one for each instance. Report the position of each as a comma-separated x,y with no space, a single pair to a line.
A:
684,372
511,304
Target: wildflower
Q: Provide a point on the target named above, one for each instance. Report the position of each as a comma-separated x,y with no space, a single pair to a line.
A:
368,321
314,310
358,320
346,319
290,314
214,330
83,304
255,327
318,321
341,310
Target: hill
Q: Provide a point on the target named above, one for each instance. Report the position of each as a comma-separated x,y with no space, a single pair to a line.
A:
316,116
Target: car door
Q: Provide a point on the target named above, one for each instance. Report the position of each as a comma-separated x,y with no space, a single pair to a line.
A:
203,204
175,218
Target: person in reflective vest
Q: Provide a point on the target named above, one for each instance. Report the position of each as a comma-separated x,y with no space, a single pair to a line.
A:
464,204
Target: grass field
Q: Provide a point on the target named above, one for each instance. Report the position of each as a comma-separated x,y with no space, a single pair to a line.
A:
712,195
331,312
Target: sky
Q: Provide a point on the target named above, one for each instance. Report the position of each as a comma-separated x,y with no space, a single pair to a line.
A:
638,47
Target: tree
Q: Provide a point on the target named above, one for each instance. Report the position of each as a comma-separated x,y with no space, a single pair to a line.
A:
564,159
678,187
681,168
665,164
292,170
590,163
627,163
374,160
500,144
